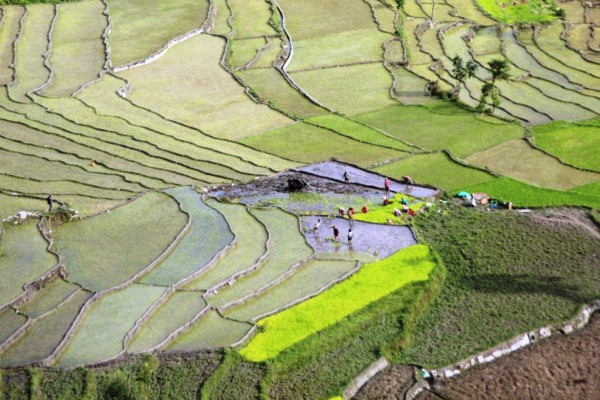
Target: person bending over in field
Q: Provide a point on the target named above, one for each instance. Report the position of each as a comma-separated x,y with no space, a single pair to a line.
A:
317,225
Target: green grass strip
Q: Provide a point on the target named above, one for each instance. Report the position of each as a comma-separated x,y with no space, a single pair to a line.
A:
524,195
358,131
379,214
532,11
574,144
373,282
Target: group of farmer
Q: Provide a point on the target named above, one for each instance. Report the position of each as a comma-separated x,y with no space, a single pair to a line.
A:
350,213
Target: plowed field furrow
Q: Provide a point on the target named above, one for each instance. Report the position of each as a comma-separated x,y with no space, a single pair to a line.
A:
77,50
33,187
103,97
208,234
32,44
178,153
157,167
11,23
72,153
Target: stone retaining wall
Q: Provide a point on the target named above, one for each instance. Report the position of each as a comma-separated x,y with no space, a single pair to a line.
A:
160,52
518,342
364,377
269,285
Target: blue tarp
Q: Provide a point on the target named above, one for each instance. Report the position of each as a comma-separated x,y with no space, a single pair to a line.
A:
464,195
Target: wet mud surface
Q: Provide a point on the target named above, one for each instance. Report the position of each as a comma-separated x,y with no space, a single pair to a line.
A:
376,240
335,170
325,178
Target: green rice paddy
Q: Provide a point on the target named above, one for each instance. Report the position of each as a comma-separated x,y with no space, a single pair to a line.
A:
221,93
96,341
142,229
24,259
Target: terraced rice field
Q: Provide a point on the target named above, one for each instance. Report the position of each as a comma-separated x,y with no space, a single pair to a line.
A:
165,131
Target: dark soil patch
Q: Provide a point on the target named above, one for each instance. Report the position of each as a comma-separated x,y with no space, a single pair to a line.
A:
324,178
390,384
335,170
561,367
378,241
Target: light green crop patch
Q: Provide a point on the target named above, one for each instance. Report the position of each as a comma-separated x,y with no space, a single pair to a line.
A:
380,213
371,283
510,11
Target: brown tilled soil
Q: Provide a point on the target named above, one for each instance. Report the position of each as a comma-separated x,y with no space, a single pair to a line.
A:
561,367
391,384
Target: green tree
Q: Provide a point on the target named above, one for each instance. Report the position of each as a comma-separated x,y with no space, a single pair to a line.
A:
499,70
461,71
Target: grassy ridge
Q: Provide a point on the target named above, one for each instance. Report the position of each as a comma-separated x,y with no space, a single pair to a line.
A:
574,144
374,281
507,273
531,11
524,195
